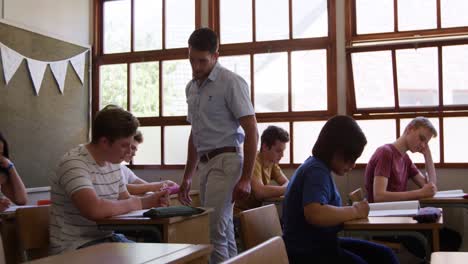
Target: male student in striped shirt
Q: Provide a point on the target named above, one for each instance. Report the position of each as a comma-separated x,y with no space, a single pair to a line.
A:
88,185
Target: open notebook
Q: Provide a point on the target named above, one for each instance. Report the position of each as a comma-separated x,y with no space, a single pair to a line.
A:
450,194
406,208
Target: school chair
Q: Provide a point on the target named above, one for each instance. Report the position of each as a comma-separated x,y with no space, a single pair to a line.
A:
259,224
33,231
2,251
272,251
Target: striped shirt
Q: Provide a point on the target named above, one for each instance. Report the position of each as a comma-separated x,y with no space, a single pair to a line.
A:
76,171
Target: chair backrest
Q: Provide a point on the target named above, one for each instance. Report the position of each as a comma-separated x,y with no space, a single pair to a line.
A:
259,224
2,251
272,251
33,230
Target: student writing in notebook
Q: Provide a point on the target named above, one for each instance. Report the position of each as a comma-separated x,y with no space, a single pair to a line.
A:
312,209
88,185
12,187
389,169
266,169
136,185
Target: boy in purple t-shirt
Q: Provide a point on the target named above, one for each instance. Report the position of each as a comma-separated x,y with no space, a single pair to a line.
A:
389,169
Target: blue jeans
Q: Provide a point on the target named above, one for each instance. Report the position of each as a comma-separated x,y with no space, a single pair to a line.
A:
350,250
114,238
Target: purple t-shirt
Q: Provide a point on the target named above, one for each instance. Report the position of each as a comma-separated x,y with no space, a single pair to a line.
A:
388,162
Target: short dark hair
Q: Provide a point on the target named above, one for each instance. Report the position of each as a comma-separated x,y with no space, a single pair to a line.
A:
204,39
138,137
273,133
113,123
341,135
6,152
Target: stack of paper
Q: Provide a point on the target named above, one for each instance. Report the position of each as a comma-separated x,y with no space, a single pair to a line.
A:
406,208
449,194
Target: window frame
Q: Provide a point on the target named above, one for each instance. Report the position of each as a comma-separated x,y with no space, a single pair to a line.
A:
288,45
393,41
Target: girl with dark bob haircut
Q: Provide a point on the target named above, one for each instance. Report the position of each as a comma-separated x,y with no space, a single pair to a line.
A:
312,210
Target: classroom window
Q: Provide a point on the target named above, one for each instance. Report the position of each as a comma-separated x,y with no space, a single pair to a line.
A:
287,60
140,63
408,58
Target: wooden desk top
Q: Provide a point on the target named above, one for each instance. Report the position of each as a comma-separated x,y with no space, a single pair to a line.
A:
132,253
449,257
149,221
458,200
386,223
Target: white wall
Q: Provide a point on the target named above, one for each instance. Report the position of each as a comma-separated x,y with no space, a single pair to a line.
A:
69,20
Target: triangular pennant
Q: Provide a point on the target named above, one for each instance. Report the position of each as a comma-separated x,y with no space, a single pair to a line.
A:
59,70
36,70
11,61
78,63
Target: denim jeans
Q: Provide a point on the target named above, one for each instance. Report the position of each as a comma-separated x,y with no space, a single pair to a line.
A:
114,238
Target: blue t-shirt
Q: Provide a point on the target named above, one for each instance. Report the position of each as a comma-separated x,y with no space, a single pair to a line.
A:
312,182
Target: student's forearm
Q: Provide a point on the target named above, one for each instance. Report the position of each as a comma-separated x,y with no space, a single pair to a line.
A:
14,189
269,191
140,189
328,215
430,168
108,208
397,196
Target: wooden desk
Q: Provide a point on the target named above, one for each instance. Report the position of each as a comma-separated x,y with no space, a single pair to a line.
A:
133,253
193,229
449,258
391,226
445,202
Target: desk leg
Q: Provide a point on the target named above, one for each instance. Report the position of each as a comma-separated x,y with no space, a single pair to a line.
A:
435,240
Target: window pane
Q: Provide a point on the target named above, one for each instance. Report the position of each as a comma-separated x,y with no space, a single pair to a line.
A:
305,135
148,24
145,89
284,125
455,77
176,75
116,26
236,21
271,82
238,64
378,133
374,16
175,144
310,18
434,143
309,80
373,79
417,14
455,145
149,152
272,19
180,22
113,84
454,12
418,77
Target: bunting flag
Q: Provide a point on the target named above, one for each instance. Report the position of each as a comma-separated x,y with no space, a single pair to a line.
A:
59,70
78,63
11,60
36,70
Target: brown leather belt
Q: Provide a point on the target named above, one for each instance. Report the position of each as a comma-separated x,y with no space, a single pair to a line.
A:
215,152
